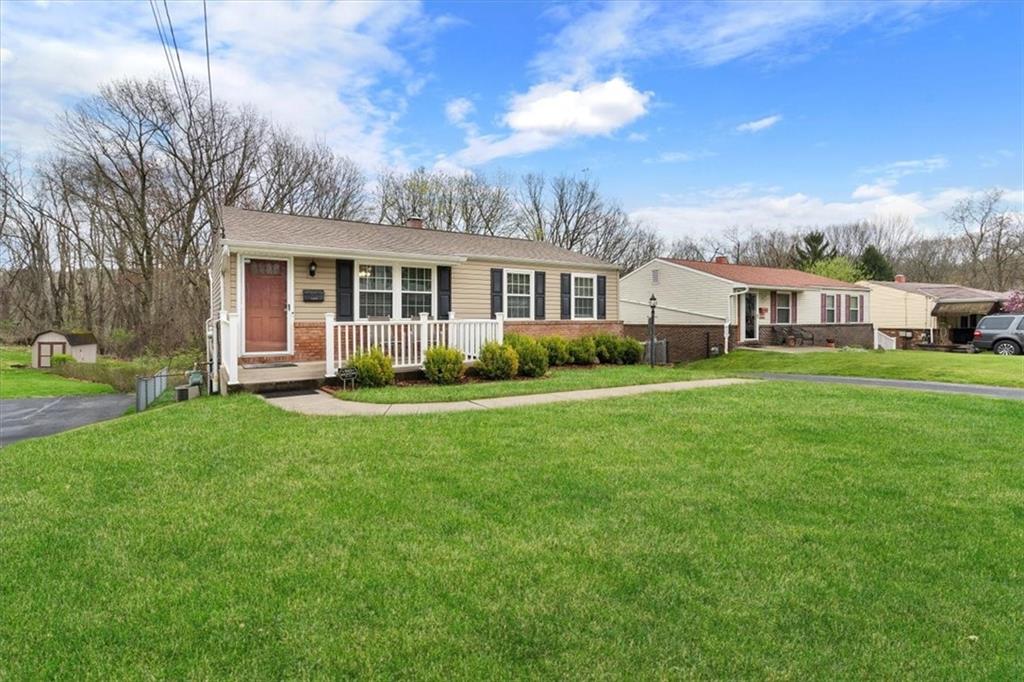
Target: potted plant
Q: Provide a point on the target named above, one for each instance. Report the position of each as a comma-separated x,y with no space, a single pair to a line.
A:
790,340
830,342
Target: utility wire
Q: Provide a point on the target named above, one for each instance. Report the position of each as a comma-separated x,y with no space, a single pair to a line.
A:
213,115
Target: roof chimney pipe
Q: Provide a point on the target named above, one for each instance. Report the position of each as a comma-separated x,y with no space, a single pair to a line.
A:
900,279
722,260
414,221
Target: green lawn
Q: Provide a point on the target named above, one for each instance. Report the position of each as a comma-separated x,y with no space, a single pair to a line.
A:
558,379
756,531
981,368
35,383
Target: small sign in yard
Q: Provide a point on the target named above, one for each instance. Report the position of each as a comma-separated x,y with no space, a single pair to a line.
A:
347,375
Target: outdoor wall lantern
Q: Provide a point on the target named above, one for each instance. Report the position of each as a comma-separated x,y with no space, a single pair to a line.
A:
312,268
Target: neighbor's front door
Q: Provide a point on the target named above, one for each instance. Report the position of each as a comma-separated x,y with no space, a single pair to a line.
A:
266,306
750,317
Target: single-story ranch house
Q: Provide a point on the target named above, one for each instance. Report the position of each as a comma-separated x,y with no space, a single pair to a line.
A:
915,312
293,297
701,305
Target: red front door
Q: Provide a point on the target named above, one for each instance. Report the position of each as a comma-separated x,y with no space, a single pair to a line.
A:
266,306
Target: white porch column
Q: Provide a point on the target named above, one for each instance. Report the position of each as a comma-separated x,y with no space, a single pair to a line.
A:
329,345
424,334
500,319
230,340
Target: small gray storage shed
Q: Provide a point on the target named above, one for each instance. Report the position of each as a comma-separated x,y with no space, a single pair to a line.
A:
79,345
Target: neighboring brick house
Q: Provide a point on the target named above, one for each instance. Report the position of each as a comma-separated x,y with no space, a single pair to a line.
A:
720,304
292,297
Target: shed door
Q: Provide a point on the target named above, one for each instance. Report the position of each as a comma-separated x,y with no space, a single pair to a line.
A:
266,306
47,349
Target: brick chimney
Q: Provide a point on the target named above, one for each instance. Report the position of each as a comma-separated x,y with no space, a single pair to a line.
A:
900,279
414,221
722,260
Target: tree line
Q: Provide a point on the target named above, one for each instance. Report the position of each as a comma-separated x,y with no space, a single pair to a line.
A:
111,229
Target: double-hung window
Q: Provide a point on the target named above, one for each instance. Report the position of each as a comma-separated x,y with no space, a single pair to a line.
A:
518,295
783,308
375,291
417,288
854,315
830,308
584,297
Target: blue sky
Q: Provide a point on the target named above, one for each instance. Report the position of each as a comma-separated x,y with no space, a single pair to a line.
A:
696,117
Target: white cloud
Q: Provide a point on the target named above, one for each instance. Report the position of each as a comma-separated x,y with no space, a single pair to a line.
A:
456,110
636,137
339,72
679,157
550,114
899,169
705,212
759,125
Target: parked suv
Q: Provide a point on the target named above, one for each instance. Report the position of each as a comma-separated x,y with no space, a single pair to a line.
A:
1002,334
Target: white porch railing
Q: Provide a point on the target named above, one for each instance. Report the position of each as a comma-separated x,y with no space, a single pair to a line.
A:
884,341
229,344
406,341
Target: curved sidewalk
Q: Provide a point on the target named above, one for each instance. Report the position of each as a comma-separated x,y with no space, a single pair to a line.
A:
319,403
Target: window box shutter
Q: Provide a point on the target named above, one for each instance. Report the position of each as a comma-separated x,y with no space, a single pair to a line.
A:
862,317
344,306
497,290
538,295
793,319
444,291
602,303
566,295
824,318
775,307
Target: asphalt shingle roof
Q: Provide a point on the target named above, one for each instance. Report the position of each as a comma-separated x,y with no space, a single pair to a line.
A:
757,276
944,292
303,231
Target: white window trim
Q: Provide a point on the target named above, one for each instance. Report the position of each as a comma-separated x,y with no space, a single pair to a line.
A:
504,293
788,307
834,308
396,287
572,303
240,303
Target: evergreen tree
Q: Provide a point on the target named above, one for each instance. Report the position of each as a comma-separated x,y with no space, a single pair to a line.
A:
812,249
875,265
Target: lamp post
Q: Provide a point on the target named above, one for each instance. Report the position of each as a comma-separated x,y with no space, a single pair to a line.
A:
650,329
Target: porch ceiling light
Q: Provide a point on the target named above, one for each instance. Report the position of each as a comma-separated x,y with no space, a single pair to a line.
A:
312,268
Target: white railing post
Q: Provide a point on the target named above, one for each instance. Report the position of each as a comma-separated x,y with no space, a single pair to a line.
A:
230,344
329,369
500,319
424,332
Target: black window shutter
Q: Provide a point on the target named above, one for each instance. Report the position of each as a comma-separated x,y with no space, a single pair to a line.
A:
344,304
444,291
602,288
497,290
566,296
538,295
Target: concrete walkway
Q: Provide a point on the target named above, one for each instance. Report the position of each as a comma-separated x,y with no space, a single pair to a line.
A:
319,403
929,386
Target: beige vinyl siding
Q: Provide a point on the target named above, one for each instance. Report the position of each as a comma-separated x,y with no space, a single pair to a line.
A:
216,293
637,313
895,309
809,305
471,288
324,280
677,288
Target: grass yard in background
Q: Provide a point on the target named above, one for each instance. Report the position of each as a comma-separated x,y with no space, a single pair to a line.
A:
34,383
760,531
975,368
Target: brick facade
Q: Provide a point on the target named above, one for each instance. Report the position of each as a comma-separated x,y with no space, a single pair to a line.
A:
862,335
569,329
310,338
686,343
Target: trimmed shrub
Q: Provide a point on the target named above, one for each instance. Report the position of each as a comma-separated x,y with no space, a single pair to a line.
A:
607,346
374,368
631,351
516,340
583,351
443,365
558,350
61,359
498,361
533,358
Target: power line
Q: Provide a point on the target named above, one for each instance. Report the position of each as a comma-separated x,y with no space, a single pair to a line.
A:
213,115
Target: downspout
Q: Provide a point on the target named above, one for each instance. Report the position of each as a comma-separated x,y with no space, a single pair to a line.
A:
728,314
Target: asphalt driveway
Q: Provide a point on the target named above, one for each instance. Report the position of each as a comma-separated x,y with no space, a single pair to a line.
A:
32,417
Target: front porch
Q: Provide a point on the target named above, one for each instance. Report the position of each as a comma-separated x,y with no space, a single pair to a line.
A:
322,349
